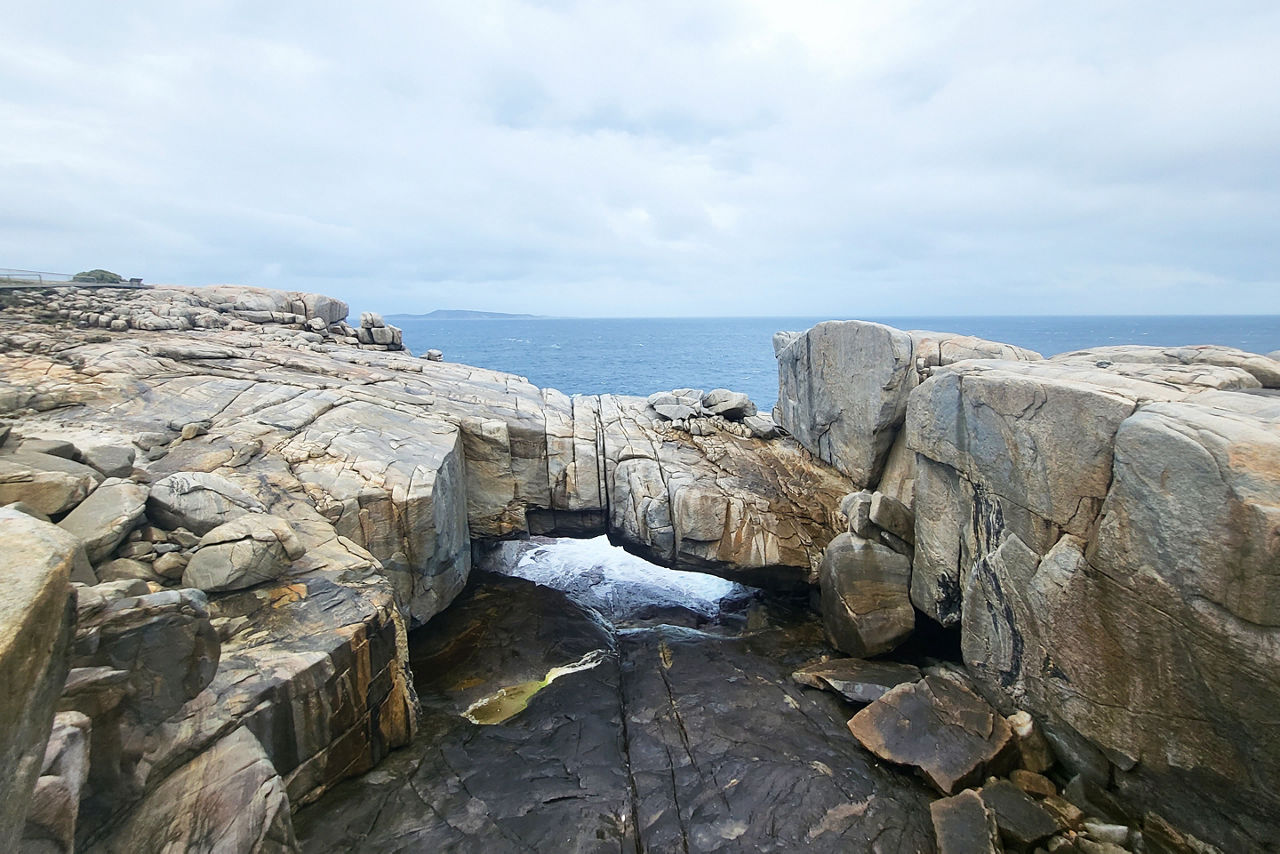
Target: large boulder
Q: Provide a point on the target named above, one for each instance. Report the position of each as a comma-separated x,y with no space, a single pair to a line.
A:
47,483
110,460
733,405
842,392
1106,540
866,603
35,630
241,553
843,386
198,501
103,519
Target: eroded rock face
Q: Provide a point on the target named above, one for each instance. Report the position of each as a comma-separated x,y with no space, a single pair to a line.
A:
1138,498
35,629
229,798
843,386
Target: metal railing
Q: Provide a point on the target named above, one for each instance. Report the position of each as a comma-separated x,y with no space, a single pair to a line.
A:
10,278
32,277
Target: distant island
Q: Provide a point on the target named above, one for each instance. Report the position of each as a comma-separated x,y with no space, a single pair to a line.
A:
463,314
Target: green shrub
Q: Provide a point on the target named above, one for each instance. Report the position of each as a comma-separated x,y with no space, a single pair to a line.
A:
105,276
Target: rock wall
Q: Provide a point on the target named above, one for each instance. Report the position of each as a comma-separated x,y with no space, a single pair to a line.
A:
1103,529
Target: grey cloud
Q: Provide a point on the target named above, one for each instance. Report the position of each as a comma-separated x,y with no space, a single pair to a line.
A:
835,158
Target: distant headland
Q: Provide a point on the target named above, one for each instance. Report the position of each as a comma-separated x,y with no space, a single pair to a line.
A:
464,314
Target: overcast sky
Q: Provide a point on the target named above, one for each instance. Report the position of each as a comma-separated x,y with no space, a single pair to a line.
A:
656,158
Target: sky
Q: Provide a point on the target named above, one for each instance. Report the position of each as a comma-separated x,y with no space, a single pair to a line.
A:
656,158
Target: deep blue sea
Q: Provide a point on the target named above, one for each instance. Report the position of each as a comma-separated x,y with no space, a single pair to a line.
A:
644,355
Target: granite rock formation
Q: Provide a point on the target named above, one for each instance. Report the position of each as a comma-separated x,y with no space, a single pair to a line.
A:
1098,529
1102,529
324,497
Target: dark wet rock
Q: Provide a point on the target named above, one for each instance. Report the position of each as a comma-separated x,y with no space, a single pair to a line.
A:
963,824
856,679
728,755
676,737
940,727
550,778
1021,820
1094,798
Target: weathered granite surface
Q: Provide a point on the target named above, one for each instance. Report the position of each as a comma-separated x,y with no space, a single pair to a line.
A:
1103,528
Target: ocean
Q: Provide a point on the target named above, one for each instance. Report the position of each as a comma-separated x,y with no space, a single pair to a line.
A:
643,355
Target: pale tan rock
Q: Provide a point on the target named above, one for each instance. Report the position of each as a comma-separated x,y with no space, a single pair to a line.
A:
842,393
46,483
35,629
1262,368
198,501
103,519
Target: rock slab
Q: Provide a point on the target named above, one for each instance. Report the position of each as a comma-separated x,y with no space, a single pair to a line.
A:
940,727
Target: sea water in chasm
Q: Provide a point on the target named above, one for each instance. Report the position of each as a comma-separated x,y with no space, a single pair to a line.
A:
635,709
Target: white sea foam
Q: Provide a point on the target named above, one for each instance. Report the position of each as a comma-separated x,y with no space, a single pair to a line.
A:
617,584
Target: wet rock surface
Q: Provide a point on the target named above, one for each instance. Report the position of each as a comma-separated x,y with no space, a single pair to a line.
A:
673,739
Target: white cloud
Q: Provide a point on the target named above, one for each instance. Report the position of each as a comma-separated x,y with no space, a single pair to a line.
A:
657,158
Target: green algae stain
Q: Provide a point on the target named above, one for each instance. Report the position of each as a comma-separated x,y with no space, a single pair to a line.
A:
509,701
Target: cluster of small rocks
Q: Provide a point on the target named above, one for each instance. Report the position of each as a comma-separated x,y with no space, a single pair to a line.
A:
313,318
374,333
142,558
998,775
690,411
